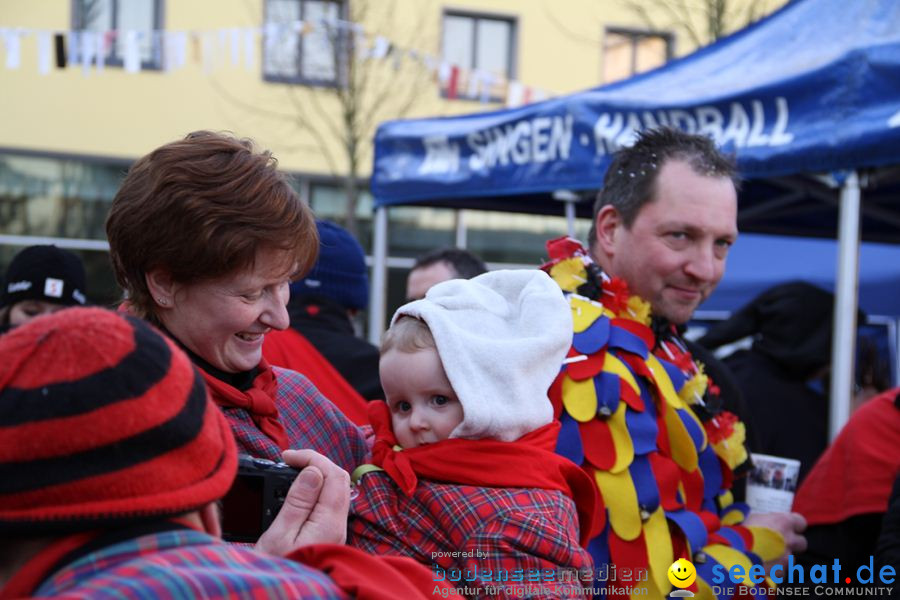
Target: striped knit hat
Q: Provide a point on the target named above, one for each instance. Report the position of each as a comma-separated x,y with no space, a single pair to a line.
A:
104,421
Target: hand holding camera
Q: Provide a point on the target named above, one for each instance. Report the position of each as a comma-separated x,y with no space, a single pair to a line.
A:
315,505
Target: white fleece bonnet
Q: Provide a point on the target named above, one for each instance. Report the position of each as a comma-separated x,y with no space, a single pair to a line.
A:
502,337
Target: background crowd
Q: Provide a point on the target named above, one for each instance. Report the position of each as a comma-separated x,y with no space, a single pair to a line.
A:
622,441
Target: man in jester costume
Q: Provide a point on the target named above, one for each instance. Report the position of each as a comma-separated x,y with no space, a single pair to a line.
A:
638,412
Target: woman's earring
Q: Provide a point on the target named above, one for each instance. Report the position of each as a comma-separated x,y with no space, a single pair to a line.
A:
162,301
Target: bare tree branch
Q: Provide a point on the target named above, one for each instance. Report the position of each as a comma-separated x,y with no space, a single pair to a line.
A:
339,121
718,17
312,125
249,106
682,15
755,11
640,9
550,12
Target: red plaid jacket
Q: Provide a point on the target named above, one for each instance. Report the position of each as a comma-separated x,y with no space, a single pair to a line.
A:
168,561
499,535
311,421
179,564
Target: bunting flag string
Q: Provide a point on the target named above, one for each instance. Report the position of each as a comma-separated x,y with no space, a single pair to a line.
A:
233,47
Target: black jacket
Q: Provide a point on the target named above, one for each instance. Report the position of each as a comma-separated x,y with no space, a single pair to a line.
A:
788,417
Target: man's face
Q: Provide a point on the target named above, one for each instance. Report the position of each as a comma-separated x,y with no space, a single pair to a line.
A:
674,254
421,279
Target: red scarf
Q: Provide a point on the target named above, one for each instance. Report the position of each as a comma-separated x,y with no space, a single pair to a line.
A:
259,401
528,462
856,473
369,577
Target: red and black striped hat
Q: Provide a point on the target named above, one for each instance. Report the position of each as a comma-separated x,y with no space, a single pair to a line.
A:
104,420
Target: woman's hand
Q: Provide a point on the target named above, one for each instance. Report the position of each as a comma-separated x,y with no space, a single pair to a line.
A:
315,510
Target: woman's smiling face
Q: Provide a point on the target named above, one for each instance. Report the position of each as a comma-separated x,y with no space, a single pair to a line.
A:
224,320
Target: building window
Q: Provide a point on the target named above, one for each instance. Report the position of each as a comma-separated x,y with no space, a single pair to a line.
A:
627,52
478,44
303,41
114,18
65,197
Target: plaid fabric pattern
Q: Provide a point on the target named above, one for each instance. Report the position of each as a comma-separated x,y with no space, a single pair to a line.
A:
311,421
500,531
184,565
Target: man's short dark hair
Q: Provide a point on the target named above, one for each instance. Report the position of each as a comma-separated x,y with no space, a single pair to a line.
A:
464,263
630,181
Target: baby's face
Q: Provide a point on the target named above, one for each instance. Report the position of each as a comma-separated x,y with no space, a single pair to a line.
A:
424,408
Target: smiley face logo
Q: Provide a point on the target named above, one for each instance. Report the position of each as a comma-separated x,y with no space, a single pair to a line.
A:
682,573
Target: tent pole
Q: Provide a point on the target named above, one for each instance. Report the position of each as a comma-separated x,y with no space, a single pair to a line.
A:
570,218
461,230
843,350
378,304
568,198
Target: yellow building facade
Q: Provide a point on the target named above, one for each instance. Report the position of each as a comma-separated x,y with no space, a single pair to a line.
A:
90,85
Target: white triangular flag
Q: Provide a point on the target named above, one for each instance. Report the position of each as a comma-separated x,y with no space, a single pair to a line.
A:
74,57
167,60
250,48
221,49
131,59
100,48
235,34
156,46
443,72
515,93
270,41
44,42
88,50
13,48
168,42
179,49
487,81
208,48
474,84
380,47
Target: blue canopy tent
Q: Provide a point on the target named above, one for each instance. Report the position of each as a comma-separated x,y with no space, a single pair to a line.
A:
758,262
808,99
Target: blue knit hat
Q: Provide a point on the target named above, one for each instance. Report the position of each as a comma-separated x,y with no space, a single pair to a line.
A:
340,273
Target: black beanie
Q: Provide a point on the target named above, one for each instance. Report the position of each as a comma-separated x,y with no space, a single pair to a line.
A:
45,273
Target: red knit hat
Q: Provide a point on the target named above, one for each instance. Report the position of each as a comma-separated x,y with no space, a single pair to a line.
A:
104,420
